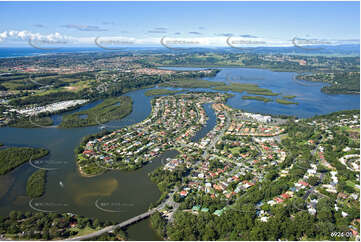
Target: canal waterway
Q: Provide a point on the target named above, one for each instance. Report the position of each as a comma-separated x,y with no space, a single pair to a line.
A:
120,195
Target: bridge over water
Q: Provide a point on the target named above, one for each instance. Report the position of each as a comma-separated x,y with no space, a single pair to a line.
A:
113,227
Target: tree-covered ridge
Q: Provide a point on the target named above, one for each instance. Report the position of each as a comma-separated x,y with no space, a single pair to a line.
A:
11,158
340,82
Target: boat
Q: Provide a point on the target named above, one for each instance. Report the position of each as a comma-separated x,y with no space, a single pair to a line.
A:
61,184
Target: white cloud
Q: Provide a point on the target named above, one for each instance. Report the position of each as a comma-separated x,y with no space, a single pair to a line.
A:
24,35
175,40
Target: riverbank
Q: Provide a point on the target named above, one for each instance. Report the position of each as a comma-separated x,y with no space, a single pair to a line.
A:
110,109
66,140
132,147
339,83
10,158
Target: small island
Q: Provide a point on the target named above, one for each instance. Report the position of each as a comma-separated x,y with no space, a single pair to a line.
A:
286,102
110,109
289,96
258,98
191,83
155,92
245,87
35,185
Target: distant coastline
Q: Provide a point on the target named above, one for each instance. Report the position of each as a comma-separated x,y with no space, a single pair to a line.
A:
15,52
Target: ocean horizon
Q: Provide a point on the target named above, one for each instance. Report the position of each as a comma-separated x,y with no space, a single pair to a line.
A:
21,51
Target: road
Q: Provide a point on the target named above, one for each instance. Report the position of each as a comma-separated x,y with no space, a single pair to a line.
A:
169,201
113,227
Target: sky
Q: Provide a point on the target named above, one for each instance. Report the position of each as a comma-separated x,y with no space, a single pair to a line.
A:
178,23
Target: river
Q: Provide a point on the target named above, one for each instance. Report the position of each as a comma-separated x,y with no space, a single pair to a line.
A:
118,196
308,94
126,194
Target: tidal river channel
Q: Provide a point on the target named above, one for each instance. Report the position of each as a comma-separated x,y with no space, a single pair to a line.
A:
120,195
114,195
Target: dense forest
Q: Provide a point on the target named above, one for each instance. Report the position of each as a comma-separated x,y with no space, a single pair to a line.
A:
31,122
340,82
241,225
11,158
35,185
50,226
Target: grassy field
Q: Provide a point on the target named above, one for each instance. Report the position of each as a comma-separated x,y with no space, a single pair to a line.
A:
258,98
245,87
286,102
154,92
110,109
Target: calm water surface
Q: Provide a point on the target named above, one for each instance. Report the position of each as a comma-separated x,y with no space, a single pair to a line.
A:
308,94
122,194
118,196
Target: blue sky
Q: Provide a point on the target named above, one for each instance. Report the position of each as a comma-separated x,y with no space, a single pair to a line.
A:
208,22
